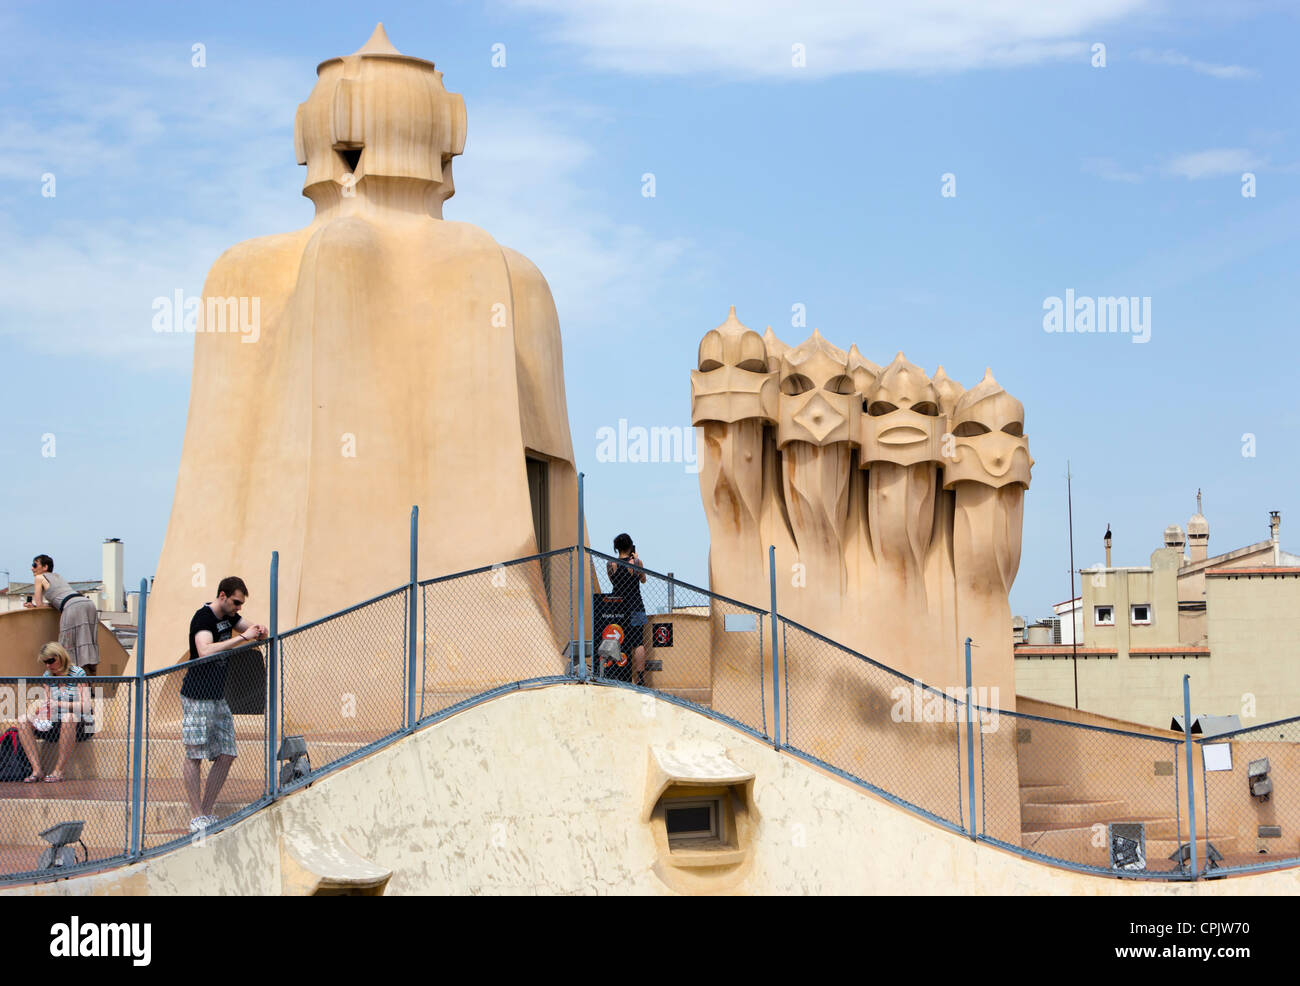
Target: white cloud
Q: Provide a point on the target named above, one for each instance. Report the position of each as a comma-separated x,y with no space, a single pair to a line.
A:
522,179
1179,60
755,39
1214,163
161,166
1109,170
90,292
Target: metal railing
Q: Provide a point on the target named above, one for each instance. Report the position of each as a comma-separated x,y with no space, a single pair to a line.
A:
1087,797
1251,817
342,681
494,629
280,714
86,747
698,649
899,737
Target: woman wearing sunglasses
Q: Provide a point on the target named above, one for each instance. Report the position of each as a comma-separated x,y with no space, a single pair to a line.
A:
64,715
78,617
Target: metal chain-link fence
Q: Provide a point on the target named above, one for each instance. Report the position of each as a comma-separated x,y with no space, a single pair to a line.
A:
860,718
342,684
65,772
1086,796
1252,815
681,641
494,627
1073,793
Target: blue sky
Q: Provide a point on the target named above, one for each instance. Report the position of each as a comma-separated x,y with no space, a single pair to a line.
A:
775,186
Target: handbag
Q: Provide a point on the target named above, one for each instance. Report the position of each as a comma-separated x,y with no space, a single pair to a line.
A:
246,682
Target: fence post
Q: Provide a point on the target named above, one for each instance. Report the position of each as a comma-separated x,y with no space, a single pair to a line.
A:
970,744
410,619
1191,790
273,679
137,739
776,676
582,590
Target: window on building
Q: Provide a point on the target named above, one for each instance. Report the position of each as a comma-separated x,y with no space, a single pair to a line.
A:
692,821
1103,616
1141,613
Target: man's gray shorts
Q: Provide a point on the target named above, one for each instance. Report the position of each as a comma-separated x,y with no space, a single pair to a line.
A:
208,728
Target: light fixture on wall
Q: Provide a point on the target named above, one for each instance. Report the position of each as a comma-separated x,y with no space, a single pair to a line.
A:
1183,856
1261,785
294,760
61,852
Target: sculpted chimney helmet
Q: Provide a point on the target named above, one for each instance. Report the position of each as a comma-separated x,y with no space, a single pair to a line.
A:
732,382
819,406
378,112
990,446
902,424
895,498
374,335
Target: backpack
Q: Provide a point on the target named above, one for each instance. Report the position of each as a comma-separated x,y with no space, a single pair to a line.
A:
14,765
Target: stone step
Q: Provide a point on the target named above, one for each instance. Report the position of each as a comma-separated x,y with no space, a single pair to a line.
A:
26,809
1073,812
1088,845
1074,845
22,858
108,757
1162,848
1043,793
1170,828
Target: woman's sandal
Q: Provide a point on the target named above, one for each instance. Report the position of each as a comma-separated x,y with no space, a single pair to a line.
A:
53,777
33,778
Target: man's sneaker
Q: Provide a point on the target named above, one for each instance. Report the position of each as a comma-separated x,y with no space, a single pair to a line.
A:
209,819
199,822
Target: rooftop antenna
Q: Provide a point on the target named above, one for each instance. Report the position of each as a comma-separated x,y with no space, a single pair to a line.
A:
1074,635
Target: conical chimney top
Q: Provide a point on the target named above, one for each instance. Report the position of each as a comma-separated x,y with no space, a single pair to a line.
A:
378,43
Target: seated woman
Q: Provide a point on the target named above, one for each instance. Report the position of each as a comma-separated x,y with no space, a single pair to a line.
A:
65,715
78,617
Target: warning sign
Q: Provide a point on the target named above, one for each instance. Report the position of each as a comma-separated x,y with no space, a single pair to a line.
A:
662,634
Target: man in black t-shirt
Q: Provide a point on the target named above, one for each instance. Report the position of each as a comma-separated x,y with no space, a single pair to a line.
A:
207,727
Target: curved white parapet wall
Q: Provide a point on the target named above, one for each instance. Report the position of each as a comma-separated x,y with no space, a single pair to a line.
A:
545,792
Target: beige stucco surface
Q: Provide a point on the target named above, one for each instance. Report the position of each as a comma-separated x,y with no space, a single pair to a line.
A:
543,792
24,631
